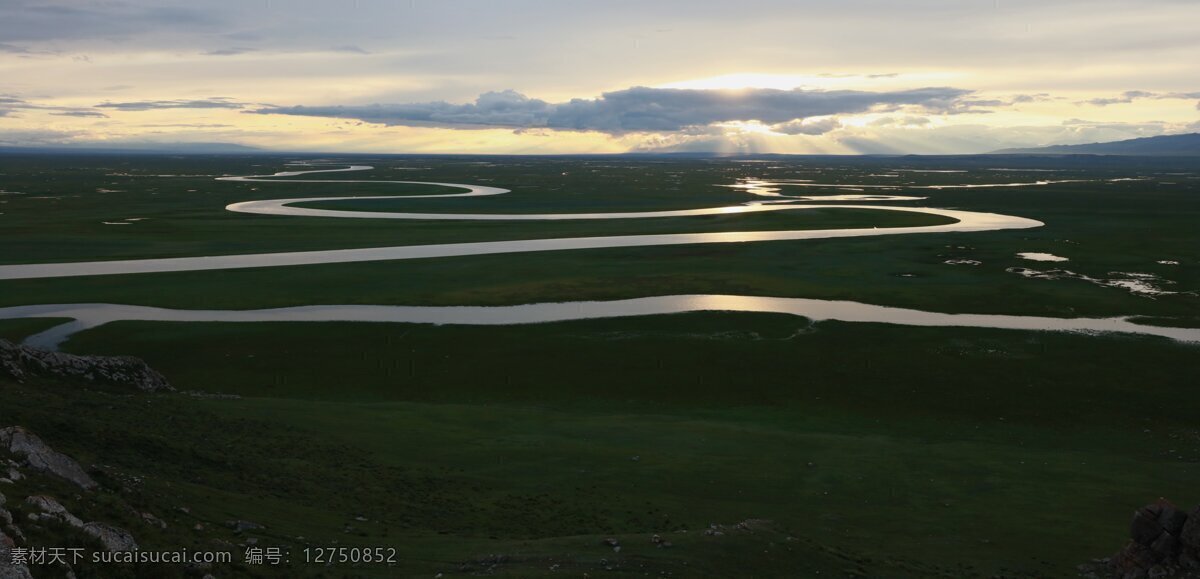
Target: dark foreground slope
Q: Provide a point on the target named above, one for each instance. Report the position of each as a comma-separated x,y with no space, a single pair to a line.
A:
1008,454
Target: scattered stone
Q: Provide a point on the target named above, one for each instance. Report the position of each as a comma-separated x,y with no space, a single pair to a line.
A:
113,538
54,510
212,395
40,457
240,526
21,362
612,542
153,520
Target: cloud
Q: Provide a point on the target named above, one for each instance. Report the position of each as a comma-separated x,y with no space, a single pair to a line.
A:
1031,98
352,48
908,121
10,104
231,51
809,126
1132,95
643,109
211,103
188,125
41,20
13,49
82,113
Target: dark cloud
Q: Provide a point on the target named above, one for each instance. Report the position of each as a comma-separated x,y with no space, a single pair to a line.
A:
808,127
643,109
14,49
212,103
231,51
42,21
82,113
10,104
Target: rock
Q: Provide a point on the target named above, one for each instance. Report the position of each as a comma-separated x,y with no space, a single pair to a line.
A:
21,362
1145,529
1134,556
1189,561
53,509
1163,541
10,571
1189,535
1165,547
153,520
1171,519
113,538
39,456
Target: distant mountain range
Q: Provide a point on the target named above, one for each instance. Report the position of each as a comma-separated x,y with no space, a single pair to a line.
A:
1187,145
1165,146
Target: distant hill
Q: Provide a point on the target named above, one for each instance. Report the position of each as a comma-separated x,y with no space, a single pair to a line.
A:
1165,146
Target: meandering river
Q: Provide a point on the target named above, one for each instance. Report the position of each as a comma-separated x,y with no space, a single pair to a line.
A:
87,316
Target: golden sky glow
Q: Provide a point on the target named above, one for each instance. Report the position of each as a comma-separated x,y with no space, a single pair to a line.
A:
564,77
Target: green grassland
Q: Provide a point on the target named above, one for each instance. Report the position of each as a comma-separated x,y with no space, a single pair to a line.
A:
1101,226
872,450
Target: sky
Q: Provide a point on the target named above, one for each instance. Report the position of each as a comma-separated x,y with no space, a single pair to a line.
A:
576,76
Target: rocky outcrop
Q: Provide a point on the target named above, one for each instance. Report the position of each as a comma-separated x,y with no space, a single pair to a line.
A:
20,362
44,511
40,457
113,538
1164,542
7,569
